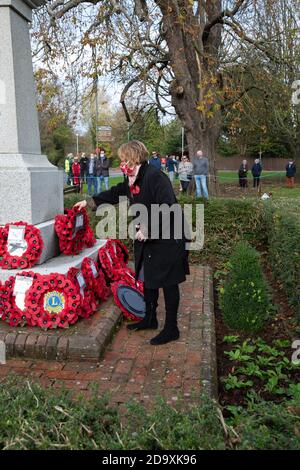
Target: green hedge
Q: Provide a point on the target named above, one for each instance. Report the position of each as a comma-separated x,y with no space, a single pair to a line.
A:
283,231
244,298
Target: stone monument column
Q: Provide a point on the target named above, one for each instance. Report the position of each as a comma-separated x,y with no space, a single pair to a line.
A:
31,188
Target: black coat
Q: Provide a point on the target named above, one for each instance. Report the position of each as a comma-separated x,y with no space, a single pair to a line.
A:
102,167
165,260
243,170
291,170
256,170
84,162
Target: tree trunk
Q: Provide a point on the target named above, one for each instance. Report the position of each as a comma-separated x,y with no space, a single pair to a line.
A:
194,91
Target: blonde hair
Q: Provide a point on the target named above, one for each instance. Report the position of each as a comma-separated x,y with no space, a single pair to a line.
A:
135,152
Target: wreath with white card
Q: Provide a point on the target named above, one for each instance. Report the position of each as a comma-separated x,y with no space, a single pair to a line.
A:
74,231
21,245
13,293
113,256
88,300
94,278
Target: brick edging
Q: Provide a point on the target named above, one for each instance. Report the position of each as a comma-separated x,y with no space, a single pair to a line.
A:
209,376
77,346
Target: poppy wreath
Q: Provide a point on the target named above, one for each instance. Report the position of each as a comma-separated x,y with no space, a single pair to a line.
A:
94,278
32,253
53,301
72,241
113,256
9,311
126,278
88,301
2,243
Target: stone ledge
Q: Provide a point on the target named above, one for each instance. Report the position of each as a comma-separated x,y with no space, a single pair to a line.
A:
84,341
209,375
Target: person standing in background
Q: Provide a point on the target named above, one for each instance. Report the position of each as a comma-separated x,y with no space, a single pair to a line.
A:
256,172
185,171
171,167
102,171
67,170
155,161
91,175
200,167
76,173
71,160
290,173
243,171
83,170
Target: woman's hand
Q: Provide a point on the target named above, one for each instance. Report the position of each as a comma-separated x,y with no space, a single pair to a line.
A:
140,236
81,205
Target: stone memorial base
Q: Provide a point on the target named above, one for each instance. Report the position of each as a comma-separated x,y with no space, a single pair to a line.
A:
36,187
61,264
84,341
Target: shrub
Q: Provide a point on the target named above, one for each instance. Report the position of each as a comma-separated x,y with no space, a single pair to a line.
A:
269,426
283,230
244,298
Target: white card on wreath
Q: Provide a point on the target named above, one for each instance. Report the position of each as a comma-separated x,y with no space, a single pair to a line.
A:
22,284
79,221
16,235
80,280
94,270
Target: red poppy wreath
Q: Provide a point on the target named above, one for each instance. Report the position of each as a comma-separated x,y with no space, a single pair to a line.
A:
53,301
13,293
88,301
21,245
113,256
74,231
94,278
126,279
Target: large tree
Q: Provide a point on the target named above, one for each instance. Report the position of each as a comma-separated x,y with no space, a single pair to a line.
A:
184,50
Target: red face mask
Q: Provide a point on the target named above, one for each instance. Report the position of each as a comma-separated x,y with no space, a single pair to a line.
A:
126,169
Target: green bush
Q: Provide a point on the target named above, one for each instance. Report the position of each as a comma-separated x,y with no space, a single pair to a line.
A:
283,231
244,298
268,426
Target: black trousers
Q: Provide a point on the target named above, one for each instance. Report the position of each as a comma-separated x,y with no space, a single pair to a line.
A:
243,182
184,185
172,298
256,180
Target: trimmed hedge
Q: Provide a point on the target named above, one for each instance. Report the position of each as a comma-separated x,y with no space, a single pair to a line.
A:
244,298
283,230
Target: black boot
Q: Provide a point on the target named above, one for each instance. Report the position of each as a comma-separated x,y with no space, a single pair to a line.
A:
150,320
170,331
165,336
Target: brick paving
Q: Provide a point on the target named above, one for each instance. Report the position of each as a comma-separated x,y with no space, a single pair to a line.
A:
131,367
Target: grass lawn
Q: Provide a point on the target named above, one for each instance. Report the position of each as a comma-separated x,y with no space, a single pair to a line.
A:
232,176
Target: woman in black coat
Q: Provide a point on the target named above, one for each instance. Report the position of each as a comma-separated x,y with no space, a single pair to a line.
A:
160,262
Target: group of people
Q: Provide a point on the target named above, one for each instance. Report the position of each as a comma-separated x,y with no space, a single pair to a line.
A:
185,170
92,170
256,171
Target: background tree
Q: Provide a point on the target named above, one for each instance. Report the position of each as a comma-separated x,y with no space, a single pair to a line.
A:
57,134
176,53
